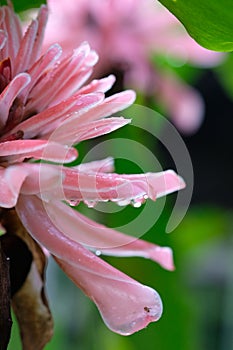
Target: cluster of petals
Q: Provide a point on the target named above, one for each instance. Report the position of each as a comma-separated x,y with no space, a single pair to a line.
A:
128,33
45,108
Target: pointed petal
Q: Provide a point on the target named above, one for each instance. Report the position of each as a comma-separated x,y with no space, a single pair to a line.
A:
8,95
42,20
30,45
102,85
109,106
66,77
125,305
71,131
38,69
103,165
121,189
100,109
52,117
11,25
26,46
159,184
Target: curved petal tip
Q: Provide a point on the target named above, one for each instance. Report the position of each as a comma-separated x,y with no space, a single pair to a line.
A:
133,314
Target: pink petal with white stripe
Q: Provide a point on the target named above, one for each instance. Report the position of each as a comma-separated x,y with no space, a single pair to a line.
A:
72,85
159,184
103,165
42,122
39,175
109,106
102,85
39,69
105,240
3,39
68,75
25,178
126,306
71,131
10,23
11,179
122,189
42,21
30,45
17,150
8,95
23,57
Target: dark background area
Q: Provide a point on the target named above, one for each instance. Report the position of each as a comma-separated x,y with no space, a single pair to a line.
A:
211,147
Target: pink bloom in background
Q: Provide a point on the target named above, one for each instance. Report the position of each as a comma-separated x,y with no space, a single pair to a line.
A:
44,107
127,33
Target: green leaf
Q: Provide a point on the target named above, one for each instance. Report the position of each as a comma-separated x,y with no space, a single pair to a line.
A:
210,23
22,5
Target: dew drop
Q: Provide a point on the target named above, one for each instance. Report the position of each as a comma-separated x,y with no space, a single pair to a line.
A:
73,202
137,202
98,252
91,204
122,202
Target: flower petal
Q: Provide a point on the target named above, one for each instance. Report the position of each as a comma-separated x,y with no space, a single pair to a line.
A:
122,189
37,70
109,106
11,179
40,123
42,18
40,175
26,47
11,25
18,150
26,178
8,95
102,85
71,131
61,81
103,165
125,305
3,39
31,42
104,240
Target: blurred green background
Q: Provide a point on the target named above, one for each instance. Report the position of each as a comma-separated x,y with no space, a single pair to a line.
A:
198,295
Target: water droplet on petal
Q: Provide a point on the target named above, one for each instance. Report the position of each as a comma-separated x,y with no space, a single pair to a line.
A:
137,202
122,202
98,252
91,204
73,202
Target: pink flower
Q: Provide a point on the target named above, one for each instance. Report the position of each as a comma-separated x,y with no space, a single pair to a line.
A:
44,107
128,33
